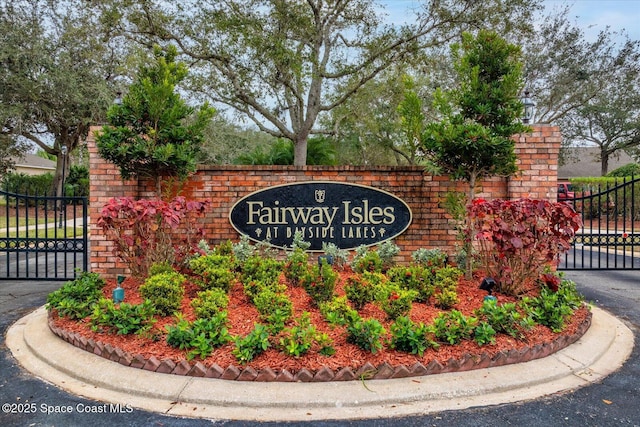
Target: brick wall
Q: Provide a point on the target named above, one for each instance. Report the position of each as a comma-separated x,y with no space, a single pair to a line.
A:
431,226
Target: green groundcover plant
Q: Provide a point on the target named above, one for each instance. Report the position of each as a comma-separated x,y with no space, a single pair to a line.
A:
347,309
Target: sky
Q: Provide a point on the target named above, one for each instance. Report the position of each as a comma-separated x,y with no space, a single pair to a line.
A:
595,15
590,15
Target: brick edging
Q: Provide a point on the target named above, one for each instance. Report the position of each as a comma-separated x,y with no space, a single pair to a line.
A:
368,371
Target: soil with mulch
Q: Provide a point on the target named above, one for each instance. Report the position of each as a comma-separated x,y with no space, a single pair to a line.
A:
242,316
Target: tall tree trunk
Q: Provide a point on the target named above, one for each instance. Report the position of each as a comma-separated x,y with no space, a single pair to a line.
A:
300,151
61,174
604,163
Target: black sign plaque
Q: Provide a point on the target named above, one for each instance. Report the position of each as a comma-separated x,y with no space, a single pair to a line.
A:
348,215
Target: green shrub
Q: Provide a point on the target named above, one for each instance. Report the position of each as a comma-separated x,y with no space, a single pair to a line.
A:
275,308
213,328
213,271
180,334
446,286
208,303
410,337
453,327
33,185
386,251
260,269
503,318
124,318
337,311
416,277
299,339
298,242
243,250
214,260
359,291
446,298
204,248
339,256
395,302
77,183
369,261
296,266
376,279
320,282
630,169
165,291
251,345
484,334
366,334
430,257
253,288
553,309
223,248
199,337
448,273
160,267
75,299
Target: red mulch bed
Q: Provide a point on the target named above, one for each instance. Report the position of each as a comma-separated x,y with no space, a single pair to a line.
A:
242,315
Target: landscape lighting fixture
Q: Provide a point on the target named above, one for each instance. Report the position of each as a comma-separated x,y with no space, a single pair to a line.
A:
118,292
529,108
488,284
118,100
327,258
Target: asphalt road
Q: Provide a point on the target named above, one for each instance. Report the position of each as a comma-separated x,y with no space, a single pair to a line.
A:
613,402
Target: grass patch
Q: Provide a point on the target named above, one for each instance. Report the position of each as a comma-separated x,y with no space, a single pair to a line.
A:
50,233
21,222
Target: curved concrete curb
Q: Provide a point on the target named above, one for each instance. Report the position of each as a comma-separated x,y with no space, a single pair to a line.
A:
601,351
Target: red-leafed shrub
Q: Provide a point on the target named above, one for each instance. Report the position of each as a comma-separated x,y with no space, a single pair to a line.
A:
146,232
519,238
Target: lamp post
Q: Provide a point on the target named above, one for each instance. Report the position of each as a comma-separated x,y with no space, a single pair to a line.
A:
529,108
63,151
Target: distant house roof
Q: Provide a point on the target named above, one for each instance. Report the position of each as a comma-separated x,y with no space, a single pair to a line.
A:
585,161
32,164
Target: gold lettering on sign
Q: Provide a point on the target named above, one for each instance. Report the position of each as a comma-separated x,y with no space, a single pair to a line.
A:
359,215
324,215
260,214
321,211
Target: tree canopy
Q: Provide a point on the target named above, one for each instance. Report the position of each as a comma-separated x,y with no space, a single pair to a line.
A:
473,139
609,120
55,74
479,117
587,87
301,68
279,62
148,135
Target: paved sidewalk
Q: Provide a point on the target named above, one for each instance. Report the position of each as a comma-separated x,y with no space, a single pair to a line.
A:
601,351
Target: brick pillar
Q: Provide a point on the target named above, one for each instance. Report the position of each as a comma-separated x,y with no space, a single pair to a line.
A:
105,183
537,162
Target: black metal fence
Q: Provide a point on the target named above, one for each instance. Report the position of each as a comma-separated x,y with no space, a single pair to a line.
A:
43,238
610,236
